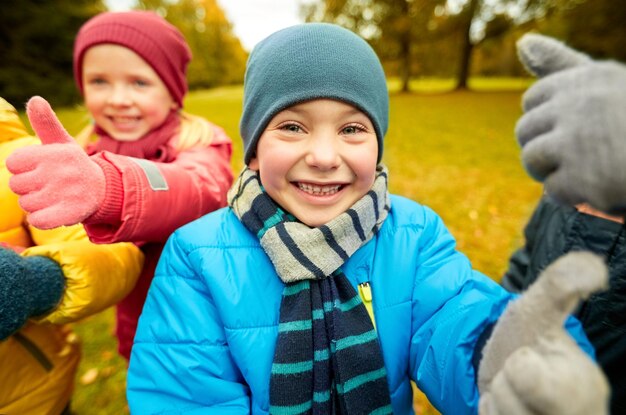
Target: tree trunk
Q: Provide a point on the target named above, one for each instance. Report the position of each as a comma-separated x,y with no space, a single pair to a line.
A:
405,46
405,71
466,45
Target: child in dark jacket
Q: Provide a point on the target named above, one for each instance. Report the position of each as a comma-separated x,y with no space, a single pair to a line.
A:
554,230
152,167
578,103
260,307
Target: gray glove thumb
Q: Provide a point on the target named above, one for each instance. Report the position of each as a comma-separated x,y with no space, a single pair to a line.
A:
543,55
542,309
531,365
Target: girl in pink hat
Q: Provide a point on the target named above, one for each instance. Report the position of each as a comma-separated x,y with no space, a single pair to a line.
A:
151,169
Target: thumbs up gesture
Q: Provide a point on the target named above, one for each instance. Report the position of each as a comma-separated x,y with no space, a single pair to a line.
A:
573,132
57,182
530,363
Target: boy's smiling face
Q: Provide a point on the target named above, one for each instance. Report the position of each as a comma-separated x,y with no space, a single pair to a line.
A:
317,158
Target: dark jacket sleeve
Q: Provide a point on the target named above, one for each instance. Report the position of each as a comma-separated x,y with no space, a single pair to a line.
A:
514,279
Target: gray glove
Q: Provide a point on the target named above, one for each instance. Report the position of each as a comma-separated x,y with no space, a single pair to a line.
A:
573,132
530,364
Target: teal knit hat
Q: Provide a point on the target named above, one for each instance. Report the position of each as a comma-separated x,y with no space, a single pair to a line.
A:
306,62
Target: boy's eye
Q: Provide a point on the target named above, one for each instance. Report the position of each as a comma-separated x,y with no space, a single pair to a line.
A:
353,129
293,128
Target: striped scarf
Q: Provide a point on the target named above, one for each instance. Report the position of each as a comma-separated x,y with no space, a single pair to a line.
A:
327,358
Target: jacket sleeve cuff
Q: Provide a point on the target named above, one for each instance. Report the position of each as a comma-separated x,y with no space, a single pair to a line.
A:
477,356
47,284
110,211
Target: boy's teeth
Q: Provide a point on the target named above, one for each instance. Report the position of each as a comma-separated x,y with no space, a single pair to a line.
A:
318,190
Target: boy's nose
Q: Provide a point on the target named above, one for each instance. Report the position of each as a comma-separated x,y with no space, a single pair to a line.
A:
323,153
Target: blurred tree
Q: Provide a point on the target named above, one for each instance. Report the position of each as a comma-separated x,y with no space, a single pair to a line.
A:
423,36
593,26
478,21
36,41
597,27
395,28
440,37
466,17
218,56
497,55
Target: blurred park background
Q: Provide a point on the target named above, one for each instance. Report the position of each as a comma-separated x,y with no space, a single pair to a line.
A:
455,87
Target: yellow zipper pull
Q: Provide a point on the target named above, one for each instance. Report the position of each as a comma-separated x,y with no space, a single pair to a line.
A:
365,292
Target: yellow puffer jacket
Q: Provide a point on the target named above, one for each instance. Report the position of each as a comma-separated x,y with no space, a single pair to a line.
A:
38,364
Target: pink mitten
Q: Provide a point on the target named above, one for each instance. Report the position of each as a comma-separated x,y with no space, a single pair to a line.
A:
57,182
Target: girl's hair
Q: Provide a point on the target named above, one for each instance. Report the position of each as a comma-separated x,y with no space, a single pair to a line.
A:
194,131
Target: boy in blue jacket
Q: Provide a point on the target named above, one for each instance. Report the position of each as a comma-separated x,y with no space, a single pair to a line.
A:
261,307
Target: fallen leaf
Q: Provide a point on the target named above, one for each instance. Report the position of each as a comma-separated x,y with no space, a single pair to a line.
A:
89,376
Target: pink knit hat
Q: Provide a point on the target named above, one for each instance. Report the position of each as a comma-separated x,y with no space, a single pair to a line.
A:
147,34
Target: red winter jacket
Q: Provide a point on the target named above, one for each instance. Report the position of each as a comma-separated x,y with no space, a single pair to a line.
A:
157,198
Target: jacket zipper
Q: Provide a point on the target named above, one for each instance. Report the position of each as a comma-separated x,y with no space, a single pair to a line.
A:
365,292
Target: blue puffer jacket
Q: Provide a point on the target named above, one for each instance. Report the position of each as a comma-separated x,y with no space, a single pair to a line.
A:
206,338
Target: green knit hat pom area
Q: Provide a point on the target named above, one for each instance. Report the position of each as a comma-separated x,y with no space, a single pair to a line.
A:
306,62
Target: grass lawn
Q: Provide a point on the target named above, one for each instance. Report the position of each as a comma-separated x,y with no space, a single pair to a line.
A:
453,151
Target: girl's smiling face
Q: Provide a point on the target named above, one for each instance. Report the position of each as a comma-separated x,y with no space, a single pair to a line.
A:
124,95
317,158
